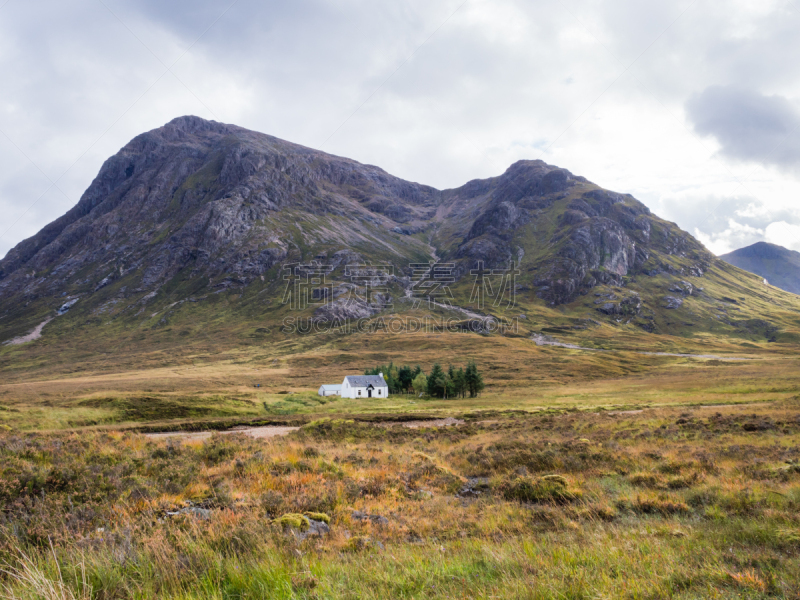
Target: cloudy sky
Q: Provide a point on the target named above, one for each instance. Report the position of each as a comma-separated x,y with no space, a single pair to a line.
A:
693,106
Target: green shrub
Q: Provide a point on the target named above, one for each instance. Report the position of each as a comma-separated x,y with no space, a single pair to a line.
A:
272,502
216,450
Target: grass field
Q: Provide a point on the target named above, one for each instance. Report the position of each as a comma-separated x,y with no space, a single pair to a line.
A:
194,384
576,474
662,503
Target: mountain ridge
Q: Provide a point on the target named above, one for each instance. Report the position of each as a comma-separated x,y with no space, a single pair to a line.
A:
197,207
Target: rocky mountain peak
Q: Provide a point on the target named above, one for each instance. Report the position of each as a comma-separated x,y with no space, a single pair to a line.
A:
210,206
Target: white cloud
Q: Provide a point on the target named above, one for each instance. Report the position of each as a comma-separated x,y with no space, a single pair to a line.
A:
784,234
736,235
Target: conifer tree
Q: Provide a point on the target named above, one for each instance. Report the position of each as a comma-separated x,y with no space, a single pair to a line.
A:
437,384
474,380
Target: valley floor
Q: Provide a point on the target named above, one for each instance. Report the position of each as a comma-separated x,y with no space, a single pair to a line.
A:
576,474
194,386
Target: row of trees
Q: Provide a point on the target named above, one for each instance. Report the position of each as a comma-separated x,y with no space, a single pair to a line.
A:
399,379
454,383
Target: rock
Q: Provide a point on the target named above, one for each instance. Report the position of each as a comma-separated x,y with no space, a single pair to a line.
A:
202,513
67,305
475,486
315,529
375,519
672,302
683,287
194,511
630,305
104,282
345,309
303,527
609,308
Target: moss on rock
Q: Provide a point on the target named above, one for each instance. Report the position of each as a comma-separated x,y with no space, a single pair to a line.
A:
293,520
318,516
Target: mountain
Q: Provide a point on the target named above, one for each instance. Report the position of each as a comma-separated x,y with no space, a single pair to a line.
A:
776,264
197,210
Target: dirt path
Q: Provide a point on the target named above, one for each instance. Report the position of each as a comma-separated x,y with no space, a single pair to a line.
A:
465,311
409,293
542,340
267,431
33,335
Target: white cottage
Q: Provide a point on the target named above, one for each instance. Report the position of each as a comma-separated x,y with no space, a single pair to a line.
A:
364,386
330,389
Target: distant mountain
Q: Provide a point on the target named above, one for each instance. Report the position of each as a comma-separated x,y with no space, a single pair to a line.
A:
778,265
197,211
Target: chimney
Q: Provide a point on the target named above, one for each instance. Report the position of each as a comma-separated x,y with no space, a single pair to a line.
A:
381,374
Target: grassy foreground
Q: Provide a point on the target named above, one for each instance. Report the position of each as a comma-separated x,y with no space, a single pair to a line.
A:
662,503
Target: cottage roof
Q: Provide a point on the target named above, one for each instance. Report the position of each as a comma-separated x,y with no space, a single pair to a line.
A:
331,387
366,380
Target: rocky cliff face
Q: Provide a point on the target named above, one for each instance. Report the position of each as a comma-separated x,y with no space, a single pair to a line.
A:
222,207
581,235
